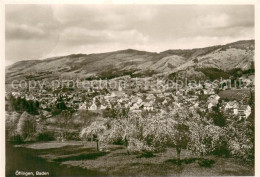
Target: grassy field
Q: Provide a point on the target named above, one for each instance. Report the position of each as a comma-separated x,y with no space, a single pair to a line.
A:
234,94
113,160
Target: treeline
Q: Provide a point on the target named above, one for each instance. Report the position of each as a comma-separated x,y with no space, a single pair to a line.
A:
215,73
21,104
114,73
59,107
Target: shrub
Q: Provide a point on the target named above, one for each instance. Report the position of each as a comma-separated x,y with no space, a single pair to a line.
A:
16,139
146,154
206,162
136,146
46,136
26,126
186,161
222,149
214,73
72,136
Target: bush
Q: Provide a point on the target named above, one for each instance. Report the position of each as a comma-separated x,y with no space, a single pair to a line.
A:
136,146
16,139
146,155
222,149
185,161
46,136
206,162
118,142
214,73
72,136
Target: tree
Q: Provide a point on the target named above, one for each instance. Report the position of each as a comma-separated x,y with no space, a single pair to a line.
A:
116,113
64,123
94,131
11,122
217,116
204,138
120,131
195,60
26,126
240,138
165,130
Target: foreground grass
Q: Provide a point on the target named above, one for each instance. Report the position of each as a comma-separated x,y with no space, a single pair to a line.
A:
113,160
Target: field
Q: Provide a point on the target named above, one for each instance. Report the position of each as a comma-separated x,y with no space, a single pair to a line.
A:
113,160
234,94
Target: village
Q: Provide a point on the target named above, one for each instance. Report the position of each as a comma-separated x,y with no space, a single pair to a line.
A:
146,95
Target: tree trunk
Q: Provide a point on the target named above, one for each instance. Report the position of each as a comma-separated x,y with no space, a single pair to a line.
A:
126,145
178,150
97,145
201,154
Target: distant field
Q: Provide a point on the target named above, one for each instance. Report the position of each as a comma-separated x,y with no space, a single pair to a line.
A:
234,94
114,161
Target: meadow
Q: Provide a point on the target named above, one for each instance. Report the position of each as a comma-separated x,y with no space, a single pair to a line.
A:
114,160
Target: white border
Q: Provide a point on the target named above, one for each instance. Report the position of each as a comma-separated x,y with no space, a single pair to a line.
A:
257,87
200,2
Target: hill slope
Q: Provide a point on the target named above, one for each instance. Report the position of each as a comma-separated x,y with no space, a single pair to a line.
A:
239,54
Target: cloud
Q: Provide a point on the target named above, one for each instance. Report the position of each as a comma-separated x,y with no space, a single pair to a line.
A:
39,31
74,36
24,31
213,21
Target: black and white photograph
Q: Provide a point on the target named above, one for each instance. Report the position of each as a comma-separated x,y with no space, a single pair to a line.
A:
129,89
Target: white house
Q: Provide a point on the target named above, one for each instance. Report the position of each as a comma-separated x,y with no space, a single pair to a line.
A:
231,105
148,106
102,107
118,94
83,106
164,102
213,101
243,111
150,97
93,107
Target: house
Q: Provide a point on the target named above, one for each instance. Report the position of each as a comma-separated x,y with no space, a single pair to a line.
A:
93,107
160,95
205,92
30,97
196,105
102,107
150,97
211,91
46,114
231,105
118,94
83,106
43,106
16,94
148,106
120,88
213,101
135,107
136,100
118,105
121,100
127,105
164,102
243,111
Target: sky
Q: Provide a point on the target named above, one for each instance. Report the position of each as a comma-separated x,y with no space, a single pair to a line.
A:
43,31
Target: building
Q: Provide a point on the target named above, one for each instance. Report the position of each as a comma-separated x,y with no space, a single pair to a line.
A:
231,105
93,107
83,106
118,94
148,106
213,101
243,111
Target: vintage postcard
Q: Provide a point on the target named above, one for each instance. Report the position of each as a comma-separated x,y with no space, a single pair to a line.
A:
129,88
